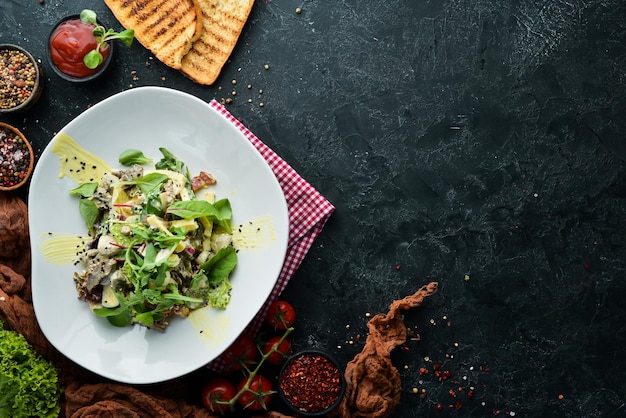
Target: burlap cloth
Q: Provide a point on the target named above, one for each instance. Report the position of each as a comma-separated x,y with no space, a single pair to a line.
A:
373,383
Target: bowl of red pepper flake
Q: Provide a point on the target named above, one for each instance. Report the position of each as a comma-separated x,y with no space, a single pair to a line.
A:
21,79
16,158
311,383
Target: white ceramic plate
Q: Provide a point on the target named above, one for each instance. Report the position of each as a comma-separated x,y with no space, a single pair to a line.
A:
148,118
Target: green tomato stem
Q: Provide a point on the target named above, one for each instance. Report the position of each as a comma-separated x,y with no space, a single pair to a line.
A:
252,373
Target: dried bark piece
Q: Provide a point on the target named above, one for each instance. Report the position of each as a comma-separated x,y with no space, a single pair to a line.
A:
373,382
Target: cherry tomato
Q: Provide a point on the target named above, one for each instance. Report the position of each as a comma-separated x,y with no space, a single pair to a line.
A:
280,315
258,395
242,352
283,350
216,393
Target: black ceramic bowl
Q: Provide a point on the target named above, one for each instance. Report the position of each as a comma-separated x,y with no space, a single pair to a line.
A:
97,73
315,379
18,91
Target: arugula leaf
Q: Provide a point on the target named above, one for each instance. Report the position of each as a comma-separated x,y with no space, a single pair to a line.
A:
146,318
119,316
169,162
133,156
122,319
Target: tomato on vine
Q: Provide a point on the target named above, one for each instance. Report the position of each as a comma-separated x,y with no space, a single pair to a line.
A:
258,395
243,352
280,315
217,393
282,350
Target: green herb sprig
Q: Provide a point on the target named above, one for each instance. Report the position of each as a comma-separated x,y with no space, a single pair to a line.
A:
94,57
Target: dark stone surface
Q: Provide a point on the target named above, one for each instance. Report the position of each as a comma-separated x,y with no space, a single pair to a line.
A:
479,138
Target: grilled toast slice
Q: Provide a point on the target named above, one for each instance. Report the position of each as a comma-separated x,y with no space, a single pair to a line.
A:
168,28
223,22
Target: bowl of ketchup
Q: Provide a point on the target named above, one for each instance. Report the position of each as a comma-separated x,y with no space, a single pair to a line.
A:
70,40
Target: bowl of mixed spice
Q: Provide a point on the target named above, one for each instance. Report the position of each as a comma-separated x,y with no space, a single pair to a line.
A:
21,79
311,383
16,158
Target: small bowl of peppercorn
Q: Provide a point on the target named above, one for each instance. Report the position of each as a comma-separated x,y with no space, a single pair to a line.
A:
16,158
21,79
311,383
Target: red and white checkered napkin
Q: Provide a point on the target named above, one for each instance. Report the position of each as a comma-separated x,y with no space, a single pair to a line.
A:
308,213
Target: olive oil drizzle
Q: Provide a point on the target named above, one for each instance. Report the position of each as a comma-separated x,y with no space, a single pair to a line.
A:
77,163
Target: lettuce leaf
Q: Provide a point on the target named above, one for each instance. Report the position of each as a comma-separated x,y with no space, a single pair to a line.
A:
29,385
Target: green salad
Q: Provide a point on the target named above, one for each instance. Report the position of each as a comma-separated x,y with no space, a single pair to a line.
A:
29,385
159,244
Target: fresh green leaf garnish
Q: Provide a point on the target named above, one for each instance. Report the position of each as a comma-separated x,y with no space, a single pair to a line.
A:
84,190
219,212
94,58
88,16
169,162
220,265
148,183
133,156
89,212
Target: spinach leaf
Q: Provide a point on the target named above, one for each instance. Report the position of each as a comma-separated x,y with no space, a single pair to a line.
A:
133,156
89,212
148,183
84,190
219,267
153,205
219,212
